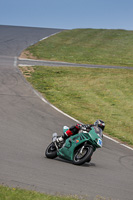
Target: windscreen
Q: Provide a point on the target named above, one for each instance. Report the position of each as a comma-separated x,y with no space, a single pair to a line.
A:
98,131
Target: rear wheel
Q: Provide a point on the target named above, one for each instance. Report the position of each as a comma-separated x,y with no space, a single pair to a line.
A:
51,151
84,156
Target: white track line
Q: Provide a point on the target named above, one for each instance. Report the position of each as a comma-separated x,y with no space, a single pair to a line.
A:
127,146
48,36
15,61
111,139
47,61
44,100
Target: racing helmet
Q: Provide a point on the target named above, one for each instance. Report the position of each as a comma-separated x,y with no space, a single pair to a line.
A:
100,124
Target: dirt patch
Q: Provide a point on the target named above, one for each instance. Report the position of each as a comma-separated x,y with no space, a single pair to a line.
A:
26,71
26,54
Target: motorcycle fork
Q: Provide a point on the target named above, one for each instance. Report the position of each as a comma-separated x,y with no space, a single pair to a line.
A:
81,151
56,146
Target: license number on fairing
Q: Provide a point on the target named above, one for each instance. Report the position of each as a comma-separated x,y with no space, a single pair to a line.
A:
99,142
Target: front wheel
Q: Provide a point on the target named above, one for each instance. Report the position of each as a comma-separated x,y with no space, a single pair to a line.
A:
84,156
51,151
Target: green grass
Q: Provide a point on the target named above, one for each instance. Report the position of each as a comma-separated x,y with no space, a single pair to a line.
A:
8,193
89,46
90,94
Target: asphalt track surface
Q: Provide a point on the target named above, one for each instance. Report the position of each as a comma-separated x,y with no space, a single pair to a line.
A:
26,125
31,62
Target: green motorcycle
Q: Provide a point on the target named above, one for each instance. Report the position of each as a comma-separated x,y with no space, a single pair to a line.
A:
77,148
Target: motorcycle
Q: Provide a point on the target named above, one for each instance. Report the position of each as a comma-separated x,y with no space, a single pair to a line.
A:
77,148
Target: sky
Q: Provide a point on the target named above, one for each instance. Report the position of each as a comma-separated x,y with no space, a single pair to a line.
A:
68,14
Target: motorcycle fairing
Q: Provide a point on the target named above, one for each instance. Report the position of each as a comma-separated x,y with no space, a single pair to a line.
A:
67,150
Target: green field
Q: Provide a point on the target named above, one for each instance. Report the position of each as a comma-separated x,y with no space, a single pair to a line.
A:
89,94
88,46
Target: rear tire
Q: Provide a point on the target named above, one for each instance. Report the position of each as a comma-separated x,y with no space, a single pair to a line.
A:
51,151
80,159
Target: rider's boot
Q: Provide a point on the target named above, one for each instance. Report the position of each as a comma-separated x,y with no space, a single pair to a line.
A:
60,139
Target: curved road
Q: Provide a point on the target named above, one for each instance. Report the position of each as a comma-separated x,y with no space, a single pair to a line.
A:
26,125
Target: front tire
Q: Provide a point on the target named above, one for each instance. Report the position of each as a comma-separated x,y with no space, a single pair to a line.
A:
51,151
79,158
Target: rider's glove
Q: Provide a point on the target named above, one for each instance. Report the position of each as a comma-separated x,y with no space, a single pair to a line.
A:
86,127
83,127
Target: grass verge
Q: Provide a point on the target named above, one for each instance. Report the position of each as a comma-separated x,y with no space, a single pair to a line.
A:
89,94
88,46
7,193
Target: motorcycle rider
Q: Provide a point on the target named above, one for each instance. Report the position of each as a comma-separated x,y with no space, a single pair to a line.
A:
98,125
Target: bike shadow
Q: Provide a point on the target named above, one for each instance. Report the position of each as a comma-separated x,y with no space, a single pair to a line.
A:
90,164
